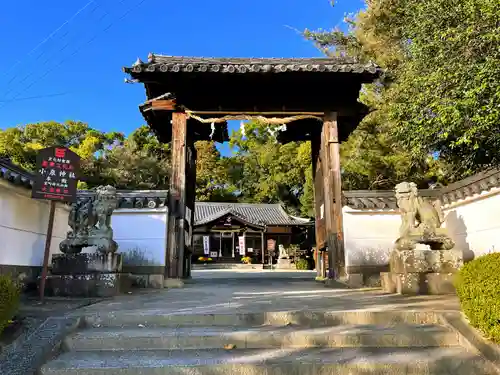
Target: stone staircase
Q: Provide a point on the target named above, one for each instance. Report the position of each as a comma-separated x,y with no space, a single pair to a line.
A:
269,343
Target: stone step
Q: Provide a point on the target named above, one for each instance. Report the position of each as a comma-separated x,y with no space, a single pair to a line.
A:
226,266
261,337
309,319
350,361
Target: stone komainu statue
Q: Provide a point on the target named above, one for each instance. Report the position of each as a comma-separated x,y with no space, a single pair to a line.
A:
90,223
420,220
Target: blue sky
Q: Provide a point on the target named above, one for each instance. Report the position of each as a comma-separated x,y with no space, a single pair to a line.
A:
76,73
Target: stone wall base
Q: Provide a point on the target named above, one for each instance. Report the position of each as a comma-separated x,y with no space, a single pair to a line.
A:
154,281
365,275
138,276
87,285
87,275
418,283
355,280
285,264
173,283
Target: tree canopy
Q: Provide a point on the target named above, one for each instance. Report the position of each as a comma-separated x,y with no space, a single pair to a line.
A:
212,174
22,143
262,170
139,162
435,116
440,92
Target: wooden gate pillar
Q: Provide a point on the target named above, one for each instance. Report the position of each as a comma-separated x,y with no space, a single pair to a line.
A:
333,195
190,203
319,227
328,194
181,200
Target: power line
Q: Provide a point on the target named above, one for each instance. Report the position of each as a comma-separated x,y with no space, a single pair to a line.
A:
10,89
68,43
77,50
34,97
50,35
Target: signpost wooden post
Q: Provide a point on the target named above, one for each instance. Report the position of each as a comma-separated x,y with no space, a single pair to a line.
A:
46,254
55,180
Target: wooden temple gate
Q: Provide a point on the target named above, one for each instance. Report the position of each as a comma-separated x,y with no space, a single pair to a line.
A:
190,99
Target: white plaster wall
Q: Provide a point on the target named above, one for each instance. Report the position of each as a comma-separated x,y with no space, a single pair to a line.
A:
23,227
474,223
369,236
141,235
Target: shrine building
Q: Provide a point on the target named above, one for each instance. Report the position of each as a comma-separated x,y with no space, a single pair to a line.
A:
226,232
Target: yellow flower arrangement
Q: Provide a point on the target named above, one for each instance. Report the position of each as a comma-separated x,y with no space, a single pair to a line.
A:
246,260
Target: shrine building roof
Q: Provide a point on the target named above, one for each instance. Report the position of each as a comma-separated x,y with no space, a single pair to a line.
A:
252,213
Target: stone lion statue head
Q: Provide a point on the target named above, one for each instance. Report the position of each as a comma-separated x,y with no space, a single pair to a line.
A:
406,196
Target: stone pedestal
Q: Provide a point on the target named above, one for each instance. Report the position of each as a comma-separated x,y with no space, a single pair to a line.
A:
284,264
422,271
86,275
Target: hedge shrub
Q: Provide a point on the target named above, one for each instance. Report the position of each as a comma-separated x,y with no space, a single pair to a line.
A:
478,288
302,264
10,294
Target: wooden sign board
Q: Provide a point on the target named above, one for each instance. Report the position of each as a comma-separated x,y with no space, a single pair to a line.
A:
55,180
226,223
279,229
56,175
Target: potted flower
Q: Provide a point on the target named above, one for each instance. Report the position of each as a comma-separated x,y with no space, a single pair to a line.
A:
246,260
204,260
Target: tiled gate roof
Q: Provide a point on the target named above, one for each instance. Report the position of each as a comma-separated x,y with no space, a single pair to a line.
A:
14,174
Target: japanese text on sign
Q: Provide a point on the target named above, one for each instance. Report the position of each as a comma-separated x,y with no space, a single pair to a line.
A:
206,245
241,243
56,177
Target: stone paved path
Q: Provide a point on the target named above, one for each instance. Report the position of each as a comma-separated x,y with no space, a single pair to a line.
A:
222,292
271,323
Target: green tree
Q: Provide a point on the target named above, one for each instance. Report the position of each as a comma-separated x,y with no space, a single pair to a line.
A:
372,159
439,94
307,197
212,174
140,162
265,171
21,143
